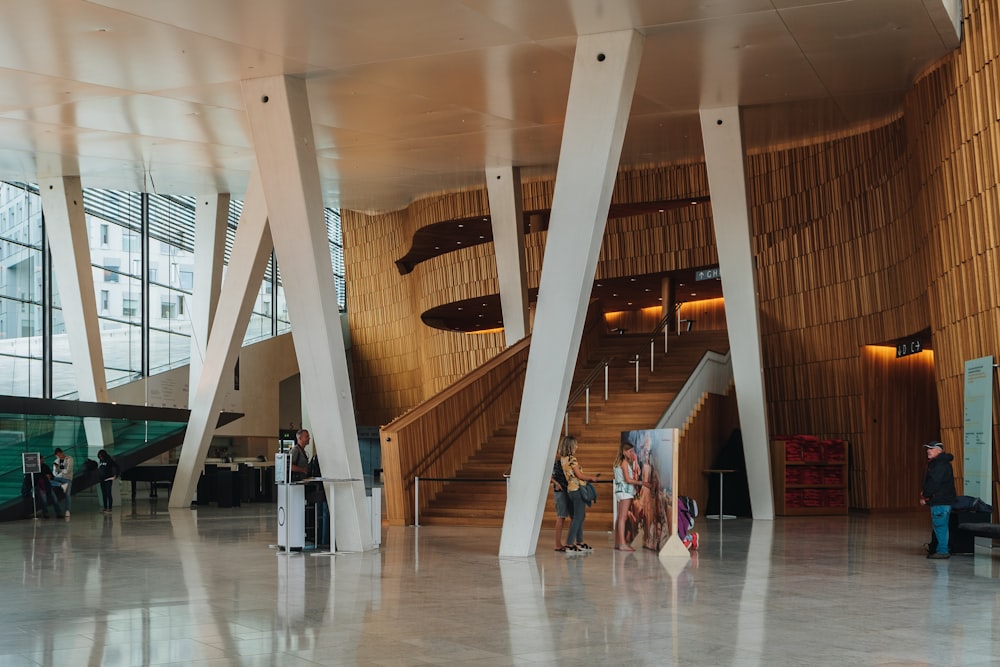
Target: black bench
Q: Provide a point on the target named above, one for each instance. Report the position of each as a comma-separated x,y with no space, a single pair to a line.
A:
981,529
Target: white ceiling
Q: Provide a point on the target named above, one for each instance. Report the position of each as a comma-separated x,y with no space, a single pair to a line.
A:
416,96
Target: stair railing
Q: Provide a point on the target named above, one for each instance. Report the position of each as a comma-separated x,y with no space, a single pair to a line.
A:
584,390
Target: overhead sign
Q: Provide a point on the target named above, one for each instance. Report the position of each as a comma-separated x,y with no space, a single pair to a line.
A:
911,346
707,274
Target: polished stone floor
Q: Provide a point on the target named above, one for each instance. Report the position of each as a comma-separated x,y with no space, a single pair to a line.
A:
148,586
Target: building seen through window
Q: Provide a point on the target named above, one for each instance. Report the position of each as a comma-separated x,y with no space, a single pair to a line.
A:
119,226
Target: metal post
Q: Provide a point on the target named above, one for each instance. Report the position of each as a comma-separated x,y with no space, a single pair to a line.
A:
605,382
416,501
666,338
587,414
652,353
637,373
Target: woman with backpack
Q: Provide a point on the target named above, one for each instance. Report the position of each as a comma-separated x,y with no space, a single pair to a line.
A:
107,472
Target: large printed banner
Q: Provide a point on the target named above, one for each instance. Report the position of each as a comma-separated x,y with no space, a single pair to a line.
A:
653,513
977,431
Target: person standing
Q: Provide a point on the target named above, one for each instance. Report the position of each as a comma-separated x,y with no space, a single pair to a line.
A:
62,474
626,471
574,476
299,460
561,498
107,472
939,494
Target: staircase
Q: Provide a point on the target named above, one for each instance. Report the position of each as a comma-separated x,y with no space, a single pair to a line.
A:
482,503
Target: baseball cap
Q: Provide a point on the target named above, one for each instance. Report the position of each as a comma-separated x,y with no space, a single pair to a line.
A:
934,444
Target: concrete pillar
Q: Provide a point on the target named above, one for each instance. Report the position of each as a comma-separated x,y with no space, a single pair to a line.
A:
281,128
69,243
600,96
507,219
210,220
721,133
249,259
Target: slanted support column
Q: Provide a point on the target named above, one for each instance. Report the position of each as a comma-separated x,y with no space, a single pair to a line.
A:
69,243
210,220
278,111
720,129
251,253
600,96
507,218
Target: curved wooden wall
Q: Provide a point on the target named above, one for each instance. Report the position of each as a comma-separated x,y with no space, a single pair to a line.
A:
953,123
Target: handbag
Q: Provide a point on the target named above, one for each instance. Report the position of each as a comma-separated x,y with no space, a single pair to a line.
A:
588,493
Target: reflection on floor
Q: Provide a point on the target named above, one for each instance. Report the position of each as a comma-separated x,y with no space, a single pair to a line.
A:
148,586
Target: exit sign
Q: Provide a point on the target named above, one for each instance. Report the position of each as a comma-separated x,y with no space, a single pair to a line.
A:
706,274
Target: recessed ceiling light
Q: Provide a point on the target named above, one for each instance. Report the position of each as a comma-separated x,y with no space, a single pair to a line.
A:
614,295
460,226
694,294
630,303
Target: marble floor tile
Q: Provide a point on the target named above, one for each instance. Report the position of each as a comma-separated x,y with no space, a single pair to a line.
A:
205,587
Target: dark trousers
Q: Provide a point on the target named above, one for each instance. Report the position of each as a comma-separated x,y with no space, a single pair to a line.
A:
106,485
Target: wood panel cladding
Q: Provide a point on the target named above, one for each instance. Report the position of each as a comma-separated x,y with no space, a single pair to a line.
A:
953,124
900,414
700,441
385,308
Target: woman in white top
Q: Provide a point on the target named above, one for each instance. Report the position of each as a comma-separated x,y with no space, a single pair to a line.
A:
626,482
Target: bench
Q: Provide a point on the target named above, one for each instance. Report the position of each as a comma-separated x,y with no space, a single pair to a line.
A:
981,529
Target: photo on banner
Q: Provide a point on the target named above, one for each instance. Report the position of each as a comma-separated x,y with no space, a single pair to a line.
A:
652,513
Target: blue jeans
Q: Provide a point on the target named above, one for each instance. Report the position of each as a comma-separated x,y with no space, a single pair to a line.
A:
69,488
939,520
579,514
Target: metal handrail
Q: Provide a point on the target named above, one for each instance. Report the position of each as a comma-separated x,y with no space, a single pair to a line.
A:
584,390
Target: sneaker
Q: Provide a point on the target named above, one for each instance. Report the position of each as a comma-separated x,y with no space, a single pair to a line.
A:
938,556
584,547
66,514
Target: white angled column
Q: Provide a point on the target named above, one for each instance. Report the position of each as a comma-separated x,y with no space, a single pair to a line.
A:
720,129
507,219
69,243
281,128
210,219
600,96
251,253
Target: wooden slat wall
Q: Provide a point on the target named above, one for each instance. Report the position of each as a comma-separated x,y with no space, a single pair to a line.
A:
953,124
704,435
900,411
705,314
399,362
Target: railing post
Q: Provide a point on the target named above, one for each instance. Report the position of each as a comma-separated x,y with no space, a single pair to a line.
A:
652,347
416,501
587,414
605,383
666,338
637,373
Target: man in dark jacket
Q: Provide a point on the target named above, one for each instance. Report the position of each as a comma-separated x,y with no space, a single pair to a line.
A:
939,494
